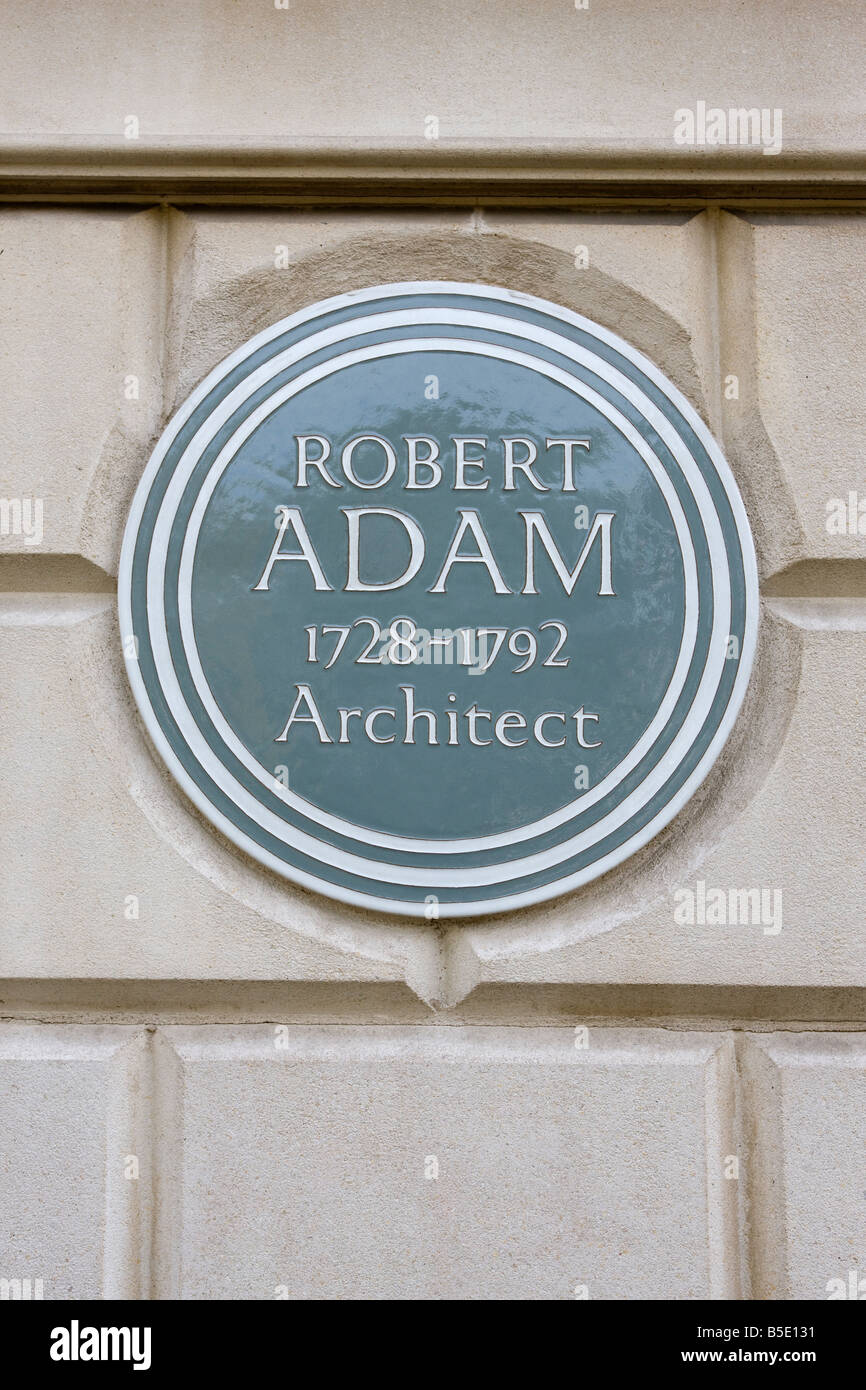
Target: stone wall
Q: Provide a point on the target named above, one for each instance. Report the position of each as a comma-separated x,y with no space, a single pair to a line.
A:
214,1084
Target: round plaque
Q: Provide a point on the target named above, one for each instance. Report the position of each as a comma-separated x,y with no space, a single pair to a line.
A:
438,599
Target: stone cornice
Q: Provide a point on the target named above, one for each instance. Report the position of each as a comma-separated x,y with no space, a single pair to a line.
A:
591,173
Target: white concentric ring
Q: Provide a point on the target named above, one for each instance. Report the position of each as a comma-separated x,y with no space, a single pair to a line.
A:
344,860
301,804
479,875
379,323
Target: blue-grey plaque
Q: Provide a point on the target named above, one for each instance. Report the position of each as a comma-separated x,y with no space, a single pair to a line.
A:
438,599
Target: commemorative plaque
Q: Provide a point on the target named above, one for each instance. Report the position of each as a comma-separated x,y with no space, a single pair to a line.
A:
438,599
